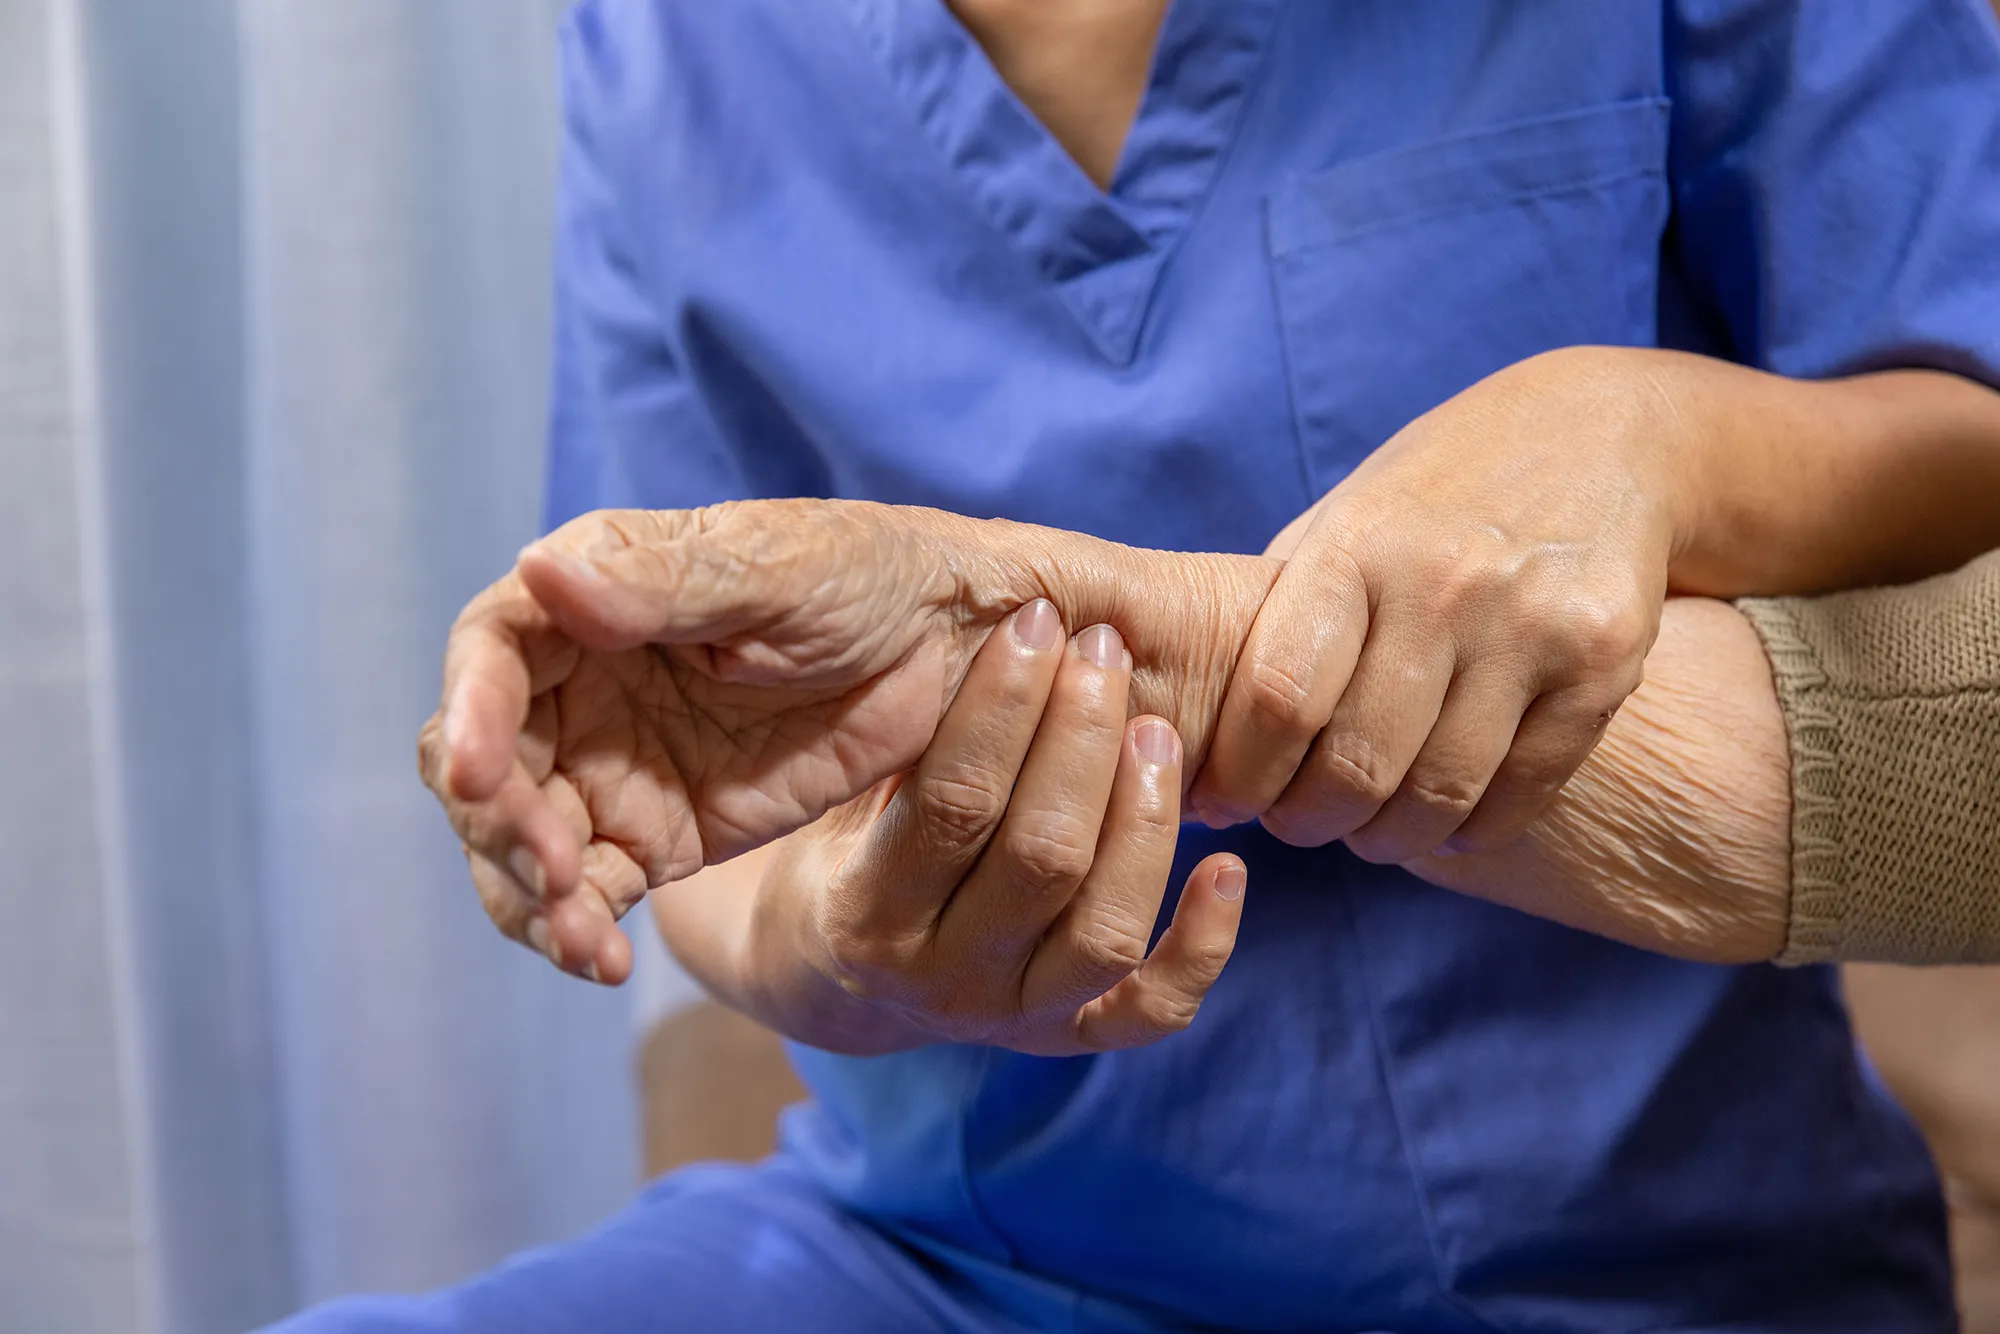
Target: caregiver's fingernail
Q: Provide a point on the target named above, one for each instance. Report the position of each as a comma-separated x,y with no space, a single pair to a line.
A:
529,872
590,971
1101,646
1229,881
1157,743
539,937
1038,626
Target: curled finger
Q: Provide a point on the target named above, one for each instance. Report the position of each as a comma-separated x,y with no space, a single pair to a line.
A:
1452,770
1163,996
1556,736
1297,661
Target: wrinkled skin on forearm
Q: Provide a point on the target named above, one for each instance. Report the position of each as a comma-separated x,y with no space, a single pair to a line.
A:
1674,835
650,693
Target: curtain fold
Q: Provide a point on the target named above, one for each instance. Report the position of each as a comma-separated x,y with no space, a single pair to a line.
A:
273,328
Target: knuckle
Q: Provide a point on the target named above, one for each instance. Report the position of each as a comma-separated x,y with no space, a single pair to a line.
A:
1532,785
1298,828
1206,960
1606,638
1279,699
1379,847
1351,771
1107,949
1152,822
1438,800
1489,835
1049,850
1465,580
1164,1012
959,808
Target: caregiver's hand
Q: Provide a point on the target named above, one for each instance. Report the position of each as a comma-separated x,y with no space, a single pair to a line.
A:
1001,893
1460,618
1675,834
651,693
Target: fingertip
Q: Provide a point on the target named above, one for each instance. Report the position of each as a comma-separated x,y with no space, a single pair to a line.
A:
1202,807
575,935
1155,741
544,568
1228,877
1214,807
571,588
612,966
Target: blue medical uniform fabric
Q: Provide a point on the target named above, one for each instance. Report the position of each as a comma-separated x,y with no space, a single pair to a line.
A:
820,249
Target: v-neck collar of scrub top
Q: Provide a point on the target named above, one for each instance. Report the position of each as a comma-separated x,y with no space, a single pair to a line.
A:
1103,251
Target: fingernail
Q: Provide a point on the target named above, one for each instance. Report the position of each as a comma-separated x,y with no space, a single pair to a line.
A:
542,940
529,872
590,971
1156,742
1229,881
1101,646
1038,626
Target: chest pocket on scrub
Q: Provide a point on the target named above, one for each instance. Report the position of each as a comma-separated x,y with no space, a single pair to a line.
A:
1406,276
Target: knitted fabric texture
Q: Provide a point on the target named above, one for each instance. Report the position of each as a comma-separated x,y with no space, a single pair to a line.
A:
1891,699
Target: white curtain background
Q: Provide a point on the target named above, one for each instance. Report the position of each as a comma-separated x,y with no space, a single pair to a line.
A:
273,327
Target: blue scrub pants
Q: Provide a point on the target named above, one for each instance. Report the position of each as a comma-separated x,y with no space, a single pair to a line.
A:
722,1249
735,1250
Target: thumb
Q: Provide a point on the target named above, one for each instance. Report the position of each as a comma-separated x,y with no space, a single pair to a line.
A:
619,579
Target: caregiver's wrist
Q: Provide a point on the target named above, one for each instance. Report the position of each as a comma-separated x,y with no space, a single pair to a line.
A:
1664,408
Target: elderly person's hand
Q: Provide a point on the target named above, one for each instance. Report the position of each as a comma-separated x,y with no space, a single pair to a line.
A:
1001,893
651,693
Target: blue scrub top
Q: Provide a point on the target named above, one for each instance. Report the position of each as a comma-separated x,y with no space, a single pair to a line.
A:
820,249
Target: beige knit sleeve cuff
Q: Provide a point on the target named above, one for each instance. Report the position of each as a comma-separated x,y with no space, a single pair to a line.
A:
1891,699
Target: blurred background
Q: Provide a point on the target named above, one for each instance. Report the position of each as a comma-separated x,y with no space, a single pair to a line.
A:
273,327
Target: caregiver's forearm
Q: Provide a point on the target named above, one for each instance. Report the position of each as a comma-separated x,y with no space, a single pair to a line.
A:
1795,486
